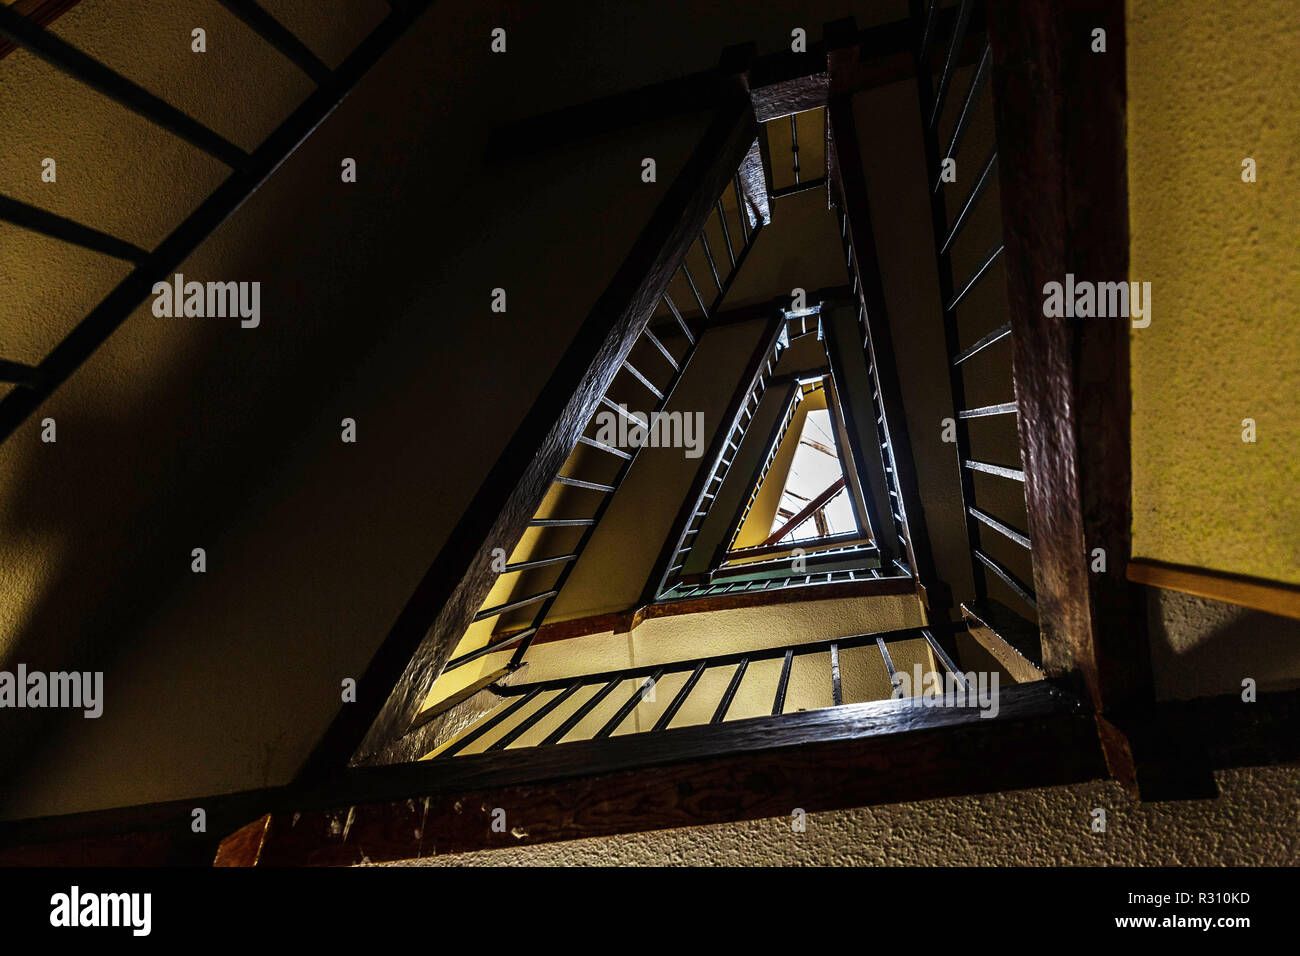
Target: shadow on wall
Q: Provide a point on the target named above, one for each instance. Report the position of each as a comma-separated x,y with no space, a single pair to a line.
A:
194,432
373,306
124,497
1201,647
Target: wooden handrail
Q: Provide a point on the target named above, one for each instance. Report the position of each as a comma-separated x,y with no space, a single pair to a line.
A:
1272,597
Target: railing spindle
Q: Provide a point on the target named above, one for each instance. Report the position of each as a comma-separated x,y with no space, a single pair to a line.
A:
837,692
778,705
637,696
724,705
889,661
532,719
950,63
667,716
576,718
459,745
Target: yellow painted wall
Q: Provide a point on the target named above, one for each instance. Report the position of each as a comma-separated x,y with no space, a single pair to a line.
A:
689,636
1209,84
758,523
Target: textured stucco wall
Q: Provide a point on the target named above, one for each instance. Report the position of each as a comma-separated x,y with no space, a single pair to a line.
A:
1209,84
1200,647
1256,821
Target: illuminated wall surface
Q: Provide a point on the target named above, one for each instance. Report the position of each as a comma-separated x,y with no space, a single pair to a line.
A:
1210,84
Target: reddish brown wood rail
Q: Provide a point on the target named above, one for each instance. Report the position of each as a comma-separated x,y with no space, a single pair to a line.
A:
806,512
43,12
1274,597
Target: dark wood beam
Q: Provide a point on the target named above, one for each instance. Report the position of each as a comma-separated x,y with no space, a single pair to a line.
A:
1213,733
753,184
1272,597
1060,118
807,511
398,679
852,755
746,313
619,622
779,83
764,310
846,61
153,834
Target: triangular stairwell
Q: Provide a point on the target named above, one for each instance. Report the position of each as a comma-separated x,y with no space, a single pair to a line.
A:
793,380
785,414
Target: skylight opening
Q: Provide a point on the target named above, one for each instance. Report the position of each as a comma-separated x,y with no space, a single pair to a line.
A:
815,494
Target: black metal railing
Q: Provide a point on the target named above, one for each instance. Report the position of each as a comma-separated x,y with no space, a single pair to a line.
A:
35,383
845,551
898,521
673,326
570,713
671,586
954,291
682,591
